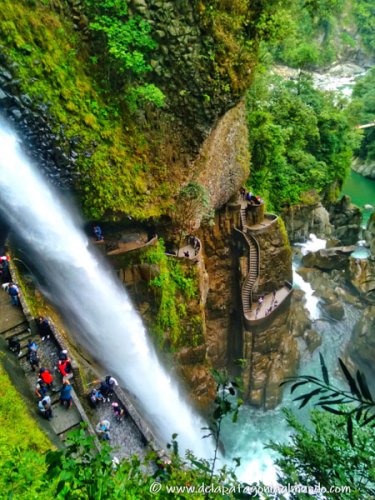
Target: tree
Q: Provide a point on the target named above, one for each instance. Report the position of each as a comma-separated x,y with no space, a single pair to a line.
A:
324,457
340,451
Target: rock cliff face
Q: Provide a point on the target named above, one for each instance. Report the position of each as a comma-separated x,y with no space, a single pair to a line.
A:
346,219
370,234
275,257
223,161
362,276
272,355
367,169
191,363
223,311
302,220
362,348
270,349
86,137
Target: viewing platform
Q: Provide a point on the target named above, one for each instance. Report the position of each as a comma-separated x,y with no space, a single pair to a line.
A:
130,436
255,222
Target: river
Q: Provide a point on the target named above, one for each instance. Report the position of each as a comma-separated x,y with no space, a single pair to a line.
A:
248,438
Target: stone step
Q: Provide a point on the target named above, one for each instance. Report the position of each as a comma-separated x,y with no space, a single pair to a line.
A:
14,330
21,332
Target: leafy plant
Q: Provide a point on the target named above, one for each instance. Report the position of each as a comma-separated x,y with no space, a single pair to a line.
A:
356,403
225,404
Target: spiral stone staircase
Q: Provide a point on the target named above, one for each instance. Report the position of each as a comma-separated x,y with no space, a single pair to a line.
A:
254,314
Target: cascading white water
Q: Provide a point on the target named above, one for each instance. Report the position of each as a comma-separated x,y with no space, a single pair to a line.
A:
313,244
109,327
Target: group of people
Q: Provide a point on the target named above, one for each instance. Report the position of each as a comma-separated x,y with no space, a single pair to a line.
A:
101,394
45,383
273,305
250,197
6,279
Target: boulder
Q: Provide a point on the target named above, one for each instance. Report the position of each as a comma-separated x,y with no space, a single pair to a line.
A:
312,339
362,277
329,258
362,347
346,219
335,310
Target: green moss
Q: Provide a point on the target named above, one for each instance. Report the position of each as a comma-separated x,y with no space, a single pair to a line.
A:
53,69
285,238
177,288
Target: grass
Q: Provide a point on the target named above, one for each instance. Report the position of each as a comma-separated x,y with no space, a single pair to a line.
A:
22,445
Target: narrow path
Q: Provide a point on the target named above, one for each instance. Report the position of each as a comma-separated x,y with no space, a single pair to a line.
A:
126,439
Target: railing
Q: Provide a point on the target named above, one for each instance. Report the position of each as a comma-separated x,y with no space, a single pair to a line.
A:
253,271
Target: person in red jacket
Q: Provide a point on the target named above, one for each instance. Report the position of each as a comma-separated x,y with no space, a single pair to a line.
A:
46,376
65,368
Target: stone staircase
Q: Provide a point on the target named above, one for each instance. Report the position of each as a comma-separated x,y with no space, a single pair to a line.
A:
253,273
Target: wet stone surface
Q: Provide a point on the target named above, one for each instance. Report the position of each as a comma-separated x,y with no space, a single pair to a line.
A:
125,436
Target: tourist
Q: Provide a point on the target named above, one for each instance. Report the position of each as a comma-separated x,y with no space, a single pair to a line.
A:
98,233
186,254
112,382
44,328
65,367
40,389
46,376
249,196
95,397
66,394
63,355
118,411
14,345
45,407
105,389
32,355
14,293
243,193
102,429
4,269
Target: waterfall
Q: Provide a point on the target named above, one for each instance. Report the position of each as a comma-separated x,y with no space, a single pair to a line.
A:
83,287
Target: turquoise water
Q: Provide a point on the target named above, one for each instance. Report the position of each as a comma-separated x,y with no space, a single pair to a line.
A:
361,192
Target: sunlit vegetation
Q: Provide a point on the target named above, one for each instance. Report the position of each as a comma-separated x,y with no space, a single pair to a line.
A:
51,63
300,139
362,108
22,444
176,288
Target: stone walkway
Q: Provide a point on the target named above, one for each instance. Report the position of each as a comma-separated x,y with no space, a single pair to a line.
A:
126,437
268,304
13,323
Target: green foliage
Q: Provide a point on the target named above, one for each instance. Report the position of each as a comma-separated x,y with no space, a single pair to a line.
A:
148,93
53,70
300,139
22,444
325,457
364,12
340,451
127,37
176,286
308,31
358,397
362,110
